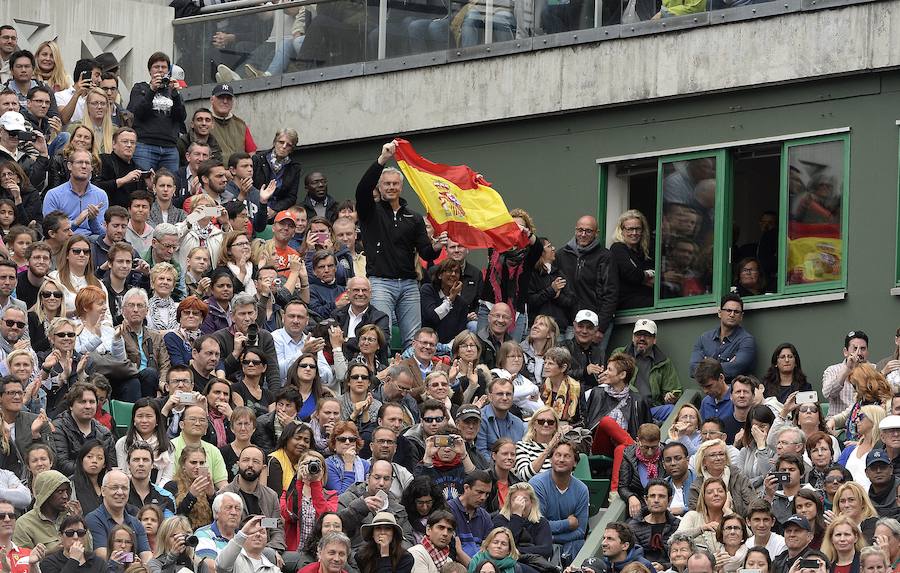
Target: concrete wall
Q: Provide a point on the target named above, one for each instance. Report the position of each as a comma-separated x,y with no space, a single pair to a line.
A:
786,48
130,29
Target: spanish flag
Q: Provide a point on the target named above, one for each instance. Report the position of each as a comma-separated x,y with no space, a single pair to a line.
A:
460,201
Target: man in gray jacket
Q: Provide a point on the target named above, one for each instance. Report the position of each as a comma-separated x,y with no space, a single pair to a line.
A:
359,504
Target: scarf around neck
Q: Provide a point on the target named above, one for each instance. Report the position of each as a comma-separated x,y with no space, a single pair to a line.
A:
440,557
650,463
618,412
565,403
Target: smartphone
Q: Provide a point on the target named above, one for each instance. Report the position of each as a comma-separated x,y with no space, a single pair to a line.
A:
811,397
809,564
86,75
204,470
128,557
209,211
186,397
269,522
782,477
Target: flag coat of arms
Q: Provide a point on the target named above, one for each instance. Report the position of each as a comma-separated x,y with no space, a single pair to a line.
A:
459,200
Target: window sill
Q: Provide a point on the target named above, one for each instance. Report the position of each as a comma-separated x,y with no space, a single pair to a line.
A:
895,291
775,302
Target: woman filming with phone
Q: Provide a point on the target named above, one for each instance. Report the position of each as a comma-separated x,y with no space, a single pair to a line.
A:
122,542
175,543
193,488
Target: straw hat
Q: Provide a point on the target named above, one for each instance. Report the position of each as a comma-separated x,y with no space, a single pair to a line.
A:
382,518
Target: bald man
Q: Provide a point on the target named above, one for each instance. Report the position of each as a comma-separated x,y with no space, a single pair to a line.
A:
360,312
591,273
495,333
111,513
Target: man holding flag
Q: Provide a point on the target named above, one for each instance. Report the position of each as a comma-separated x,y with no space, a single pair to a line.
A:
392,235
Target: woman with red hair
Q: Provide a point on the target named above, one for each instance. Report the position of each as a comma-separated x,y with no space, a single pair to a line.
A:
345,467
96,336
190,314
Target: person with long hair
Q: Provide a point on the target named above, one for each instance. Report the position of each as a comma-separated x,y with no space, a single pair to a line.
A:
521,514
469,377
547,292
97,118
498,547
887,539
219,301
243,421
852,500
327,522
541,436
633,260
90,467
234,256
871,388
305,498
193,488
437,300
357,404
82,138
190,314
250,386
172,554
220,404
162,310
39,457
867,435
758,558
382,546
785,374
511,366
503,457
842,543
345,467
542,336
808,503
293,443
686,428
151,517
421,497
874,560
754,458
16,187
304,376
711,460
49,305
50,69
121,541
75,271
149,426
19,239
713,504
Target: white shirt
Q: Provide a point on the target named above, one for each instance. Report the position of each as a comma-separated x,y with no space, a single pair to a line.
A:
63,97
288,351
677,499
775,545
355,319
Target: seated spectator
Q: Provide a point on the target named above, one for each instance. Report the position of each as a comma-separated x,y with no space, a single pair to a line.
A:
440,310
292,340
852,501
633,260
468,377
90,467
143,491
760,520
797,537
40,525
61,374
681,547
495,333
432,554
34,279
785,374
446,462
171,551
361,502
807,418
835,476
119,174
422,499
587,354
249,387
333,551
234,256
821,456
242,421
111,513
887,535
871,389
843,542
15,185
32,157
498,421
729,343
641,464
360,312
294,441
19,239
82,137
686,428
396,386
163,310
305,377
836,385
868,436
75,272
511,366
521,514
498,549
712,505
383,535
473,522
615,401
437,387
27,428
755,456
243,331
883,484
792,465
750,279
78,190
325,294
280,165
191,486
711,462
194,425
620,548
219,406
244,552
717,403
541,337
74,546
326,415
653,530
97,334
731,535
680,476
567,512
411,444
357,404
808,504
163,210
226,510
190,314
196,282
305,493
655,377
77,425
345,468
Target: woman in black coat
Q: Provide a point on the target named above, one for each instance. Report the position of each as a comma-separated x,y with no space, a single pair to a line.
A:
547,292
278,164
521,513
442,309
631,255
15,186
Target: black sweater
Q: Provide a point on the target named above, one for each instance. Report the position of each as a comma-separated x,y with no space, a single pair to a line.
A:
158,115
633,293
111,168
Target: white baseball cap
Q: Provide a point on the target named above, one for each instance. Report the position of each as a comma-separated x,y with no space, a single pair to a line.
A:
645,325
587,315
13,121
889,423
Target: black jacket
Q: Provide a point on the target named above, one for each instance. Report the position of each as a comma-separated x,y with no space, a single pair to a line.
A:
111,168
391,239
56,562
265,342
630,266
531,538
783,562
492,503
286,193
331,210
448,327
630,478
511,290
489,347
264,434
472,280
580,359
24,439
600,404
30,208
68,439
594,279
542,299
34,166
643,531
886,502
154,124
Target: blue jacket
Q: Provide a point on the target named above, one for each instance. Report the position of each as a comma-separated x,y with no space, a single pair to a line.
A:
685,488
635,554
492,428
471,532
322,297
737,352
557,507
62,198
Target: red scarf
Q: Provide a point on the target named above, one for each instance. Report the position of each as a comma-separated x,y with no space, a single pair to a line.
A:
652,464
440,556
442,465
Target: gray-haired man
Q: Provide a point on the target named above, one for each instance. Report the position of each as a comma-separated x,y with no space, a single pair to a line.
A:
163,246
235,338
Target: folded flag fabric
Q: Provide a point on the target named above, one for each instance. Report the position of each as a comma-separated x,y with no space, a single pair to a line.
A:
458,200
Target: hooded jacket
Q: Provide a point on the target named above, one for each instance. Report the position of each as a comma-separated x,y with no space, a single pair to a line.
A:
635,554
33,527
591,273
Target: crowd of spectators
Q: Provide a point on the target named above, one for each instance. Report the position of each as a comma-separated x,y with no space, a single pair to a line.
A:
302,383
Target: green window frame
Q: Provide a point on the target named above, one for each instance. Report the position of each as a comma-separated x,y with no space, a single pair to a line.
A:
722,217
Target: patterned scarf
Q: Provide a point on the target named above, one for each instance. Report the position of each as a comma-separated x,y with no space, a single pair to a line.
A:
650,463
618,413
162,314
565,401
503,270
189,336
218,423
440,557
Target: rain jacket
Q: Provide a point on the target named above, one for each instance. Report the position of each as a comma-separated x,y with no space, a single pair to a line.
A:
33,527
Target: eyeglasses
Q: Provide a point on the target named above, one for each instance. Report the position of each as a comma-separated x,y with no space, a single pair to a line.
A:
251,362
195,420
433,419
632,229
583,231
79,251
368,339
64,334
98,104
809,409
14,393
715,455
385,442
75,532
241,244
190,312
548,422
468,345
359,376
426,344
51,294
346,439
115,488
306,365
404,389
16,323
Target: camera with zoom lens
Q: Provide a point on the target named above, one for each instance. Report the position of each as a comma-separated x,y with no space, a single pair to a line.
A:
314,467
252,335
191,541
25,136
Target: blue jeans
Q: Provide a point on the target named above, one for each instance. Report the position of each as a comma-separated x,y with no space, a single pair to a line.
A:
58,143
288,50
399,299
661,412
148,157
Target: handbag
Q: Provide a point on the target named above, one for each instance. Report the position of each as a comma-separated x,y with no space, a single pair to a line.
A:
111,367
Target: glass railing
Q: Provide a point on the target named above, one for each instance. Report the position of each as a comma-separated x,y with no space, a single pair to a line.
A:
294,36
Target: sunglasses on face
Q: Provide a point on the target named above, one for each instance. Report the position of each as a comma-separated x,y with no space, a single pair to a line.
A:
75,532
346,439
16,323
834,479
359,377
432,419
79,251
65,335
251,362
809,410
51,294
4,516
306,366
546,422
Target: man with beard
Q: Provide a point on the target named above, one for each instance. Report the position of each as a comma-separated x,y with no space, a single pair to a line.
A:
258,498
30,280
655,377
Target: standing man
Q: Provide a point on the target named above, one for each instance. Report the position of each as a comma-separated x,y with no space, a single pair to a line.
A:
836,384
563,498
199,131
230,131
393,234
84,203
496,419
655,377
591,274
729,343
318,203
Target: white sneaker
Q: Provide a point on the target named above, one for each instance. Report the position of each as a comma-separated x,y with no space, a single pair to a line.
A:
228,75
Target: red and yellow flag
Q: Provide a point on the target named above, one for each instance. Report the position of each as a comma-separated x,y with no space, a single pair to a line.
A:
460,201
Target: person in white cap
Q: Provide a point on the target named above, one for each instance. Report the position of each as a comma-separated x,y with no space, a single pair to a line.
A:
890,439
656,378
19,143
587,351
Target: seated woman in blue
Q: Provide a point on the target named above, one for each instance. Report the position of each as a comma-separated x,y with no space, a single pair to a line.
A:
190,314
345,467
304,376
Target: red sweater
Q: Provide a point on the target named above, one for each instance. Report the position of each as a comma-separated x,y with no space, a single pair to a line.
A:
323,501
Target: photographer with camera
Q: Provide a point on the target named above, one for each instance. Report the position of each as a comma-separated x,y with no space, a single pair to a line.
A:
175,543
308,484
158,114
782,484
19,142
446,462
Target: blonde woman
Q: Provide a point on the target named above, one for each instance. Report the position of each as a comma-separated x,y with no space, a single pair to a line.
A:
82,138
842,544
74,271
49,305
712,461
521,514
500,549
852,500
631,253
686,428
50,68
171,552
542,434
192,487
97,118
202,233
702,523
542,336
854,455
162,308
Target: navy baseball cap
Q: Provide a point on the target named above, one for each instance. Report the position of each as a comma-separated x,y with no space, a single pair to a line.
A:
223,90
877,457
799,521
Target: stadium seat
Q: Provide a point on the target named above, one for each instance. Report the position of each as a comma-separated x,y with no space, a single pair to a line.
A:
121,413
265,234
